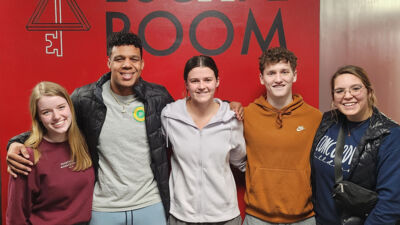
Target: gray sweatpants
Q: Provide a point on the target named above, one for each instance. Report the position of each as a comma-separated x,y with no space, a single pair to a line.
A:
235,221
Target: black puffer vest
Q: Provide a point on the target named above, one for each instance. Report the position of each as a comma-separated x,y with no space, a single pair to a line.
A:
91,113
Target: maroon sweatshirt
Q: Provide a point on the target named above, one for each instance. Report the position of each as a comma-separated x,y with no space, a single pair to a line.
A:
52,194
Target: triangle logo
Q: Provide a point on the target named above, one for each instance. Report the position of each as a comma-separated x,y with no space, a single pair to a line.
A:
58,15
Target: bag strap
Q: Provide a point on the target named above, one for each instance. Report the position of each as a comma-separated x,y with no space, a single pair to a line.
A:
339,155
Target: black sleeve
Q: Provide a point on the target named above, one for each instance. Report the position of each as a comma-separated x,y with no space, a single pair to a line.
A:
21,138
75,101
168,96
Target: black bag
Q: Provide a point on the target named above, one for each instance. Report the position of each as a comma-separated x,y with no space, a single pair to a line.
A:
354,201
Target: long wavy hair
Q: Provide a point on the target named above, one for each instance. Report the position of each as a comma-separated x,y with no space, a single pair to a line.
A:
76,141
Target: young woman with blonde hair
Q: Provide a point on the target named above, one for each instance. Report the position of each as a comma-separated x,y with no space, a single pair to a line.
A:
59,188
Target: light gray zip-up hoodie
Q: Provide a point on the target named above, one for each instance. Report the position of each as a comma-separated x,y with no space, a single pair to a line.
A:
201,183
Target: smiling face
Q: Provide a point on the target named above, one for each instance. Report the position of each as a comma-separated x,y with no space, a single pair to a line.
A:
350,96
55,115
278,79
126,65
201,84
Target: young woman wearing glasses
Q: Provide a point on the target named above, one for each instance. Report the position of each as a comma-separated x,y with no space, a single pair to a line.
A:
371,152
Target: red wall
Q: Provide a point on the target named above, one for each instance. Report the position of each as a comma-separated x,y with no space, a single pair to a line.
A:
174,30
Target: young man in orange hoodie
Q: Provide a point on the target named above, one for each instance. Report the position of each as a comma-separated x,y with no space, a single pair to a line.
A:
279,128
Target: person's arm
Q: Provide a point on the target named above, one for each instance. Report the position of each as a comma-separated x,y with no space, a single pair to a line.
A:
75,98
17,156
238,109
238,153
169,98
20,138
387,209
19,206
164,129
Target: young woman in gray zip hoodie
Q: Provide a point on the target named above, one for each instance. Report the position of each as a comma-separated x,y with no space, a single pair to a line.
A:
205,137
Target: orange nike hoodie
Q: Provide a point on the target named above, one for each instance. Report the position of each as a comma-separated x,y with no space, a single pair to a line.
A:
278,187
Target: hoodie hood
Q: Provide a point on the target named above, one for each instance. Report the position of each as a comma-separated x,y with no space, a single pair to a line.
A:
264,105
178,111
